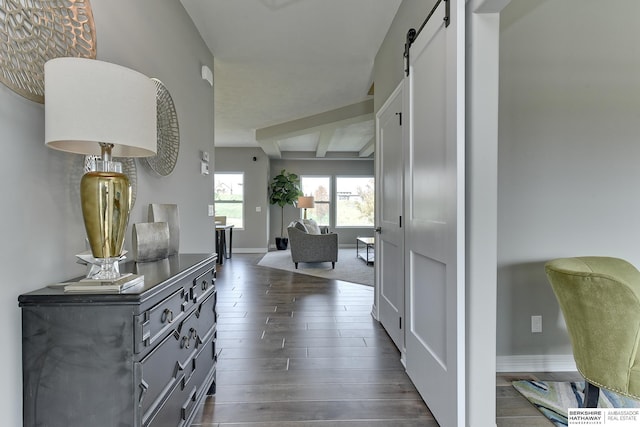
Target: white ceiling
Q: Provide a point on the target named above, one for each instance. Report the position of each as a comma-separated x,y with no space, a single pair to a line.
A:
293,76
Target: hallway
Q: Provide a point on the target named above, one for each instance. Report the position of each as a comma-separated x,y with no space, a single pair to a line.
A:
296,350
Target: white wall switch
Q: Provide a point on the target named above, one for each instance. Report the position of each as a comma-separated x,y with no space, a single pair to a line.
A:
204,155
204,168
536,324
258,209
211,210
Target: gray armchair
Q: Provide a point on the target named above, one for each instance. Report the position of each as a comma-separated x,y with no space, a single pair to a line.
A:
307,247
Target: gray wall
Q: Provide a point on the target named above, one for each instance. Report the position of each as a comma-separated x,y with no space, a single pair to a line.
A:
346,236
569,123
568,153
41,221
254,236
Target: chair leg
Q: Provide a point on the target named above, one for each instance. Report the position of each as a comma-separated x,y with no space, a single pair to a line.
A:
296,265
333,265
591,395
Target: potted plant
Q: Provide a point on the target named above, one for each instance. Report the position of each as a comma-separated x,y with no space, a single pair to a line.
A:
284,190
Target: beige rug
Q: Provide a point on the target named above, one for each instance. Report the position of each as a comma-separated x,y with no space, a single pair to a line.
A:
348,268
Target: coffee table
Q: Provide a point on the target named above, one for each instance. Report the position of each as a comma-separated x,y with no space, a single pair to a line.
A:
367,252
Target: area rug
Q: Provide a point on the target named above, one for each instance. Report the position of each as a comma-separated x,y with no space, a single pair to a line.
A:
554,399
348,268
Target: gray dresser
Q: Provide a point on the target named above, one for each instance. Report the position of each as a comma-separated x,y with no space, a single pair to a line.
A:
145,357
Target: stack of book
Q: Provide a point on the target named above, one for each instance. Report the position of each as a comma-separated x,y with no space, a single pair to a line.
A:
100,286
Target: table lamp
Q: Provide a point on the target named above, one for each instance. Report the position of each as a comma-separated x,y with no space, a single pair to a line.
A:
98,108
306,202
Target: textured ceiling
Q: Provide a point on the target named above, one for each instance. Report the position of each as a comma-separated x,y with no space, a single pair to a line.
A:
280,62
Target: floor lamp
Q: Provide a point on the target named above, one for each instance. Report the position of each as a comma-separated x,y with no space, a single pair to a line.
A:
306,202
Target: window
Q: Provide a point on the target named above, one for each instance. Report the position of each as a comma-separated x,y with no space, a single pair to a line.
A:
320,188
229,197
355,202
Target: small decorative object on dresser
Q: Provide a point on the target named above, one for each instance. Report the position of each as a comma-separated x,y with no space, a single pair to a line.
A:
150,241
96,286
142,357
169,213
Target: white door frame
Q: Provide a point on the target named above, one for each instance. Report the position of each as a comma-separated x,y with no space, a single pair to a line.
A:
482,68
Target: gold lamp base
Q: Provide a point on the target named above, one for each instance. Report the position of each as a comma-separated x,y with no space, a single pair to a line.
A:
106,203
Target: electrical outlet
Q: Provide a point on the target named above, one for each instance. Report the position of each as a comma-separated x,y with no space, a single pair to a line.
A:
211,213
536,324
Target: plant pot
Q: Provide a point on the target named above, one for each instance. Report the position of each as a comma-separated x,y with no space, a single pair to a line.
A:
282,243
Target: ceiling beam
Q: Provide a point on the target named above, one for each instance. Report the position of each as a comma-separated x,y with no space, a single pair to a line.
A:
331,155
324,141
271,149
353,113
368,149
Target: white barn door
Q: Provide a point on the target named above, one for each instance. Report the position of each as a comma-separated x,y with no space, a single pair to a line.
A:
434,210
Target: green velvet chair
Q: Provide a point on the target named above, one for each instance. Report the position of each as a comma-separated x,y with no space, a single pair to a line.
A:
600,300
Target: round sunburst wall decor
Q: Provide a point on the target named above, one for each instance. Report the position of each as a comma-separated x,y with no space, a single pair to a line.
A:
168,133
34,31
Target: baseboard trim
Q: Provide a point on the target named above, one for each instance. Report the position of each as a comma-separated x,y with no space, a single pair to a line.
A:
340,246
536,363
250,250
374,312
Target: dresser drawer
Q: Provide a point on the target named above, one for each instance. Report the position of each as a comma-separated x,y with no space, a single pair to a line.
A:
161,369
182,404
206,314
201,364
202,286
171,360
154,323
168,415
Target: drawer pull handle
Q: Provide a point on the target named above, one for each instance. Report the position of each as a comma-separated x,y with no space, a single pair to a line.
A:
192,333
167,316
205,284
185,343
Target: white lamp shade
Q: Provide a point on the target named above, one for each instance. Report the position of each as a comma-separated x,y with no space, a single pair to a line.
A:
89,101
305,202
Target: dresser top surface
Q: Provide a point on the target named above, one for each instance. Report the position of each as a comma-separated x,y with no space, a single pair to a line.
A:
157,275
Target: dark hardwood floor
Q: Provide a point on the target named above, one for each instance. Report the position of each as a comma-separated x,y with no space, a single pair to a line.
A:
296,350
